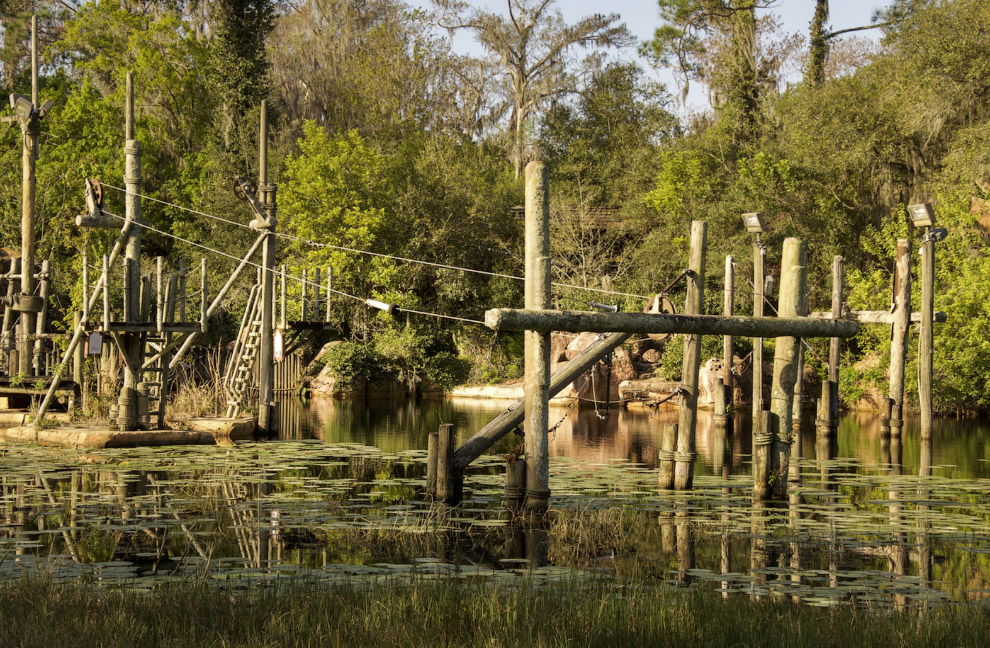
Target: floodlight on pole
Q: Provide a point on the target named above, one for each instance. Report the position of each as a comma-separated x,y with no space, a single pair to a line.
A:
922,214
754,222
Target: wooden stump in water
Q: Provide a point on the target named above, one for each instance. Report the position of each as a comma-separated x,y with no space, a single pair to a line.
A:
668,439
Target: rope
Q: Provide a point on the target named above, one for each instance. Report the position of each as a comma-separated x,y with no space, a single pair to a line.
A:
295,278
298,239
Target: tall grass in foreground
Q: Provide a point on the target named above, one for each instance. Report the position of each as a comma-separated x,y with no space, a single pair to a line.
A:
40,613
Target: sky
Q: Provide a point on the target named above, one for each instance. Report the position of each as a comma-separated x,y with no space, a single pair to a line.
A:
642,18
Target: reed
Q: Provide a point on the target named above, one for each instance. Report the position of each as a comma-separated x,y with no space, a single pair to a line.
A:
41,612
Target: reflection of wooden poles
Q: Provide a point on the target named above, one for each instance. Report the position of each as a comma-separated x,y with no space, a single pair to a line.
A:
685,545
899,335
687,424
723,391
792,286
537,358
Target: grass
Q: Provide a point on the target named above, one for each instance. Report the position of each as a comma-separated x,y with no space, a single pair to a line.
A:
38,612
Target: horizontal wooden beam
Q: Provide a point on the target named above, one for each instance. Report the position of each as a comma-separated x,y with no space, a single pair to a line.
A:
645,323
876,317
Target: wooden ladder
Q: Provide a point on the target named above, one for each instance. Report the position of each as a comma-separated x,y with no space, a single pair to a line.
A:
156,378
239,376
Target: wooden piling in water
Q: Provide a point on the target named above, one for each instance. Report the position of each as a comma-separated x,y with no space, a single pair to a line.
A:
792,286
684,455
432,449
764,433
445,474
723,395
828,407
665,459
266,346
537,345
759,255
925,335
515,481
899,334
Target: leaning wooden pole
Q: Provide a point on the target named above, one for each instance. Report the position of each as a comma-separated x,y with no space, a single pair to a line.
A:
899,334
793,276
537,344
688,415
925,335
266,350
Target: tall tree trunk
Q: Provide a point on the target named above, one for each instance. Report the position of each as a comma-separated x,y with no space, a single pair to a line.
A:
815,73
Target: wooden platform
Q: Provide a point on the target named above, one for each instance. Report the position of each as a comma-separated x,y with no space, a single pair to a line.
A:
200,432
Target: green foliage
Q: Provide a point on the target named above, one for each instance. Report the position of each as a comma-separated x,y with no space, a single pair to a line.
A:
349,362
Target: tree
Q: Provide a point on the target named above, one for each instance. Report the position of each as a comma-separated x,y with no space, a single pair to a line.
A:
239,64
531,46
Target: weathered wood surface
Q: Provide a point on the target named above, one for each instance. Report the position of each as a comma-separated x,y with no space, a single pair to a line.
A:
899,333
510,319
759,254
925,337
793,274
877,317
537,344
688,412
505,422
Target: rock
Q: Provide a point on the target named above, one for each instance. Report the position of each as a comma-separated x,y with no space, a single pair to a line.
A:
591,385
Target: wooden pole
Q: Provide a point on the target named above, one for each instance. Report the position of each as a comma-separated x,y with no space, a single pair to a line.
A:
30,129
764,433
510,319
78,358
127,415
304,310
668,441
182,290
266,351
317,286
431,464
828,409
759,256
204,312
899,333
792,286
8,311
285,319
329,289
445,473
537,344
925,335
159,296
41,319
725,389
688,412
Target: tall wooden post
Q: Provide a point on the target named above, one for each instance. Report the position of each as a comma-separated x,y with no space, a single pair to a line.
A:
266,350
759,255
78,360
688,414
794,475
793,275
723,395
537,345
925,335
828,406
127,410
899,334
30,130
665,457
446,487
41,319
284,318
329,291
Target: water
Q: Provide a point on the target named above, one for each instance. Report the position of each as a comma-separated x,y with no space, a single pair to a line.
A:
340,499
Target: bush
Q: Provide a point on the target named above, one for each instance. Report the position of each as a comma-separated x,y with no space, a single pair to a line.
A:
445,370
349,361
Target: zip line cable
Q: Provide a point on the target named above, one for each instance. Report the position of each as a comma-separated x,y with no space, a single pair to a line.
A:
298,239
288,276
